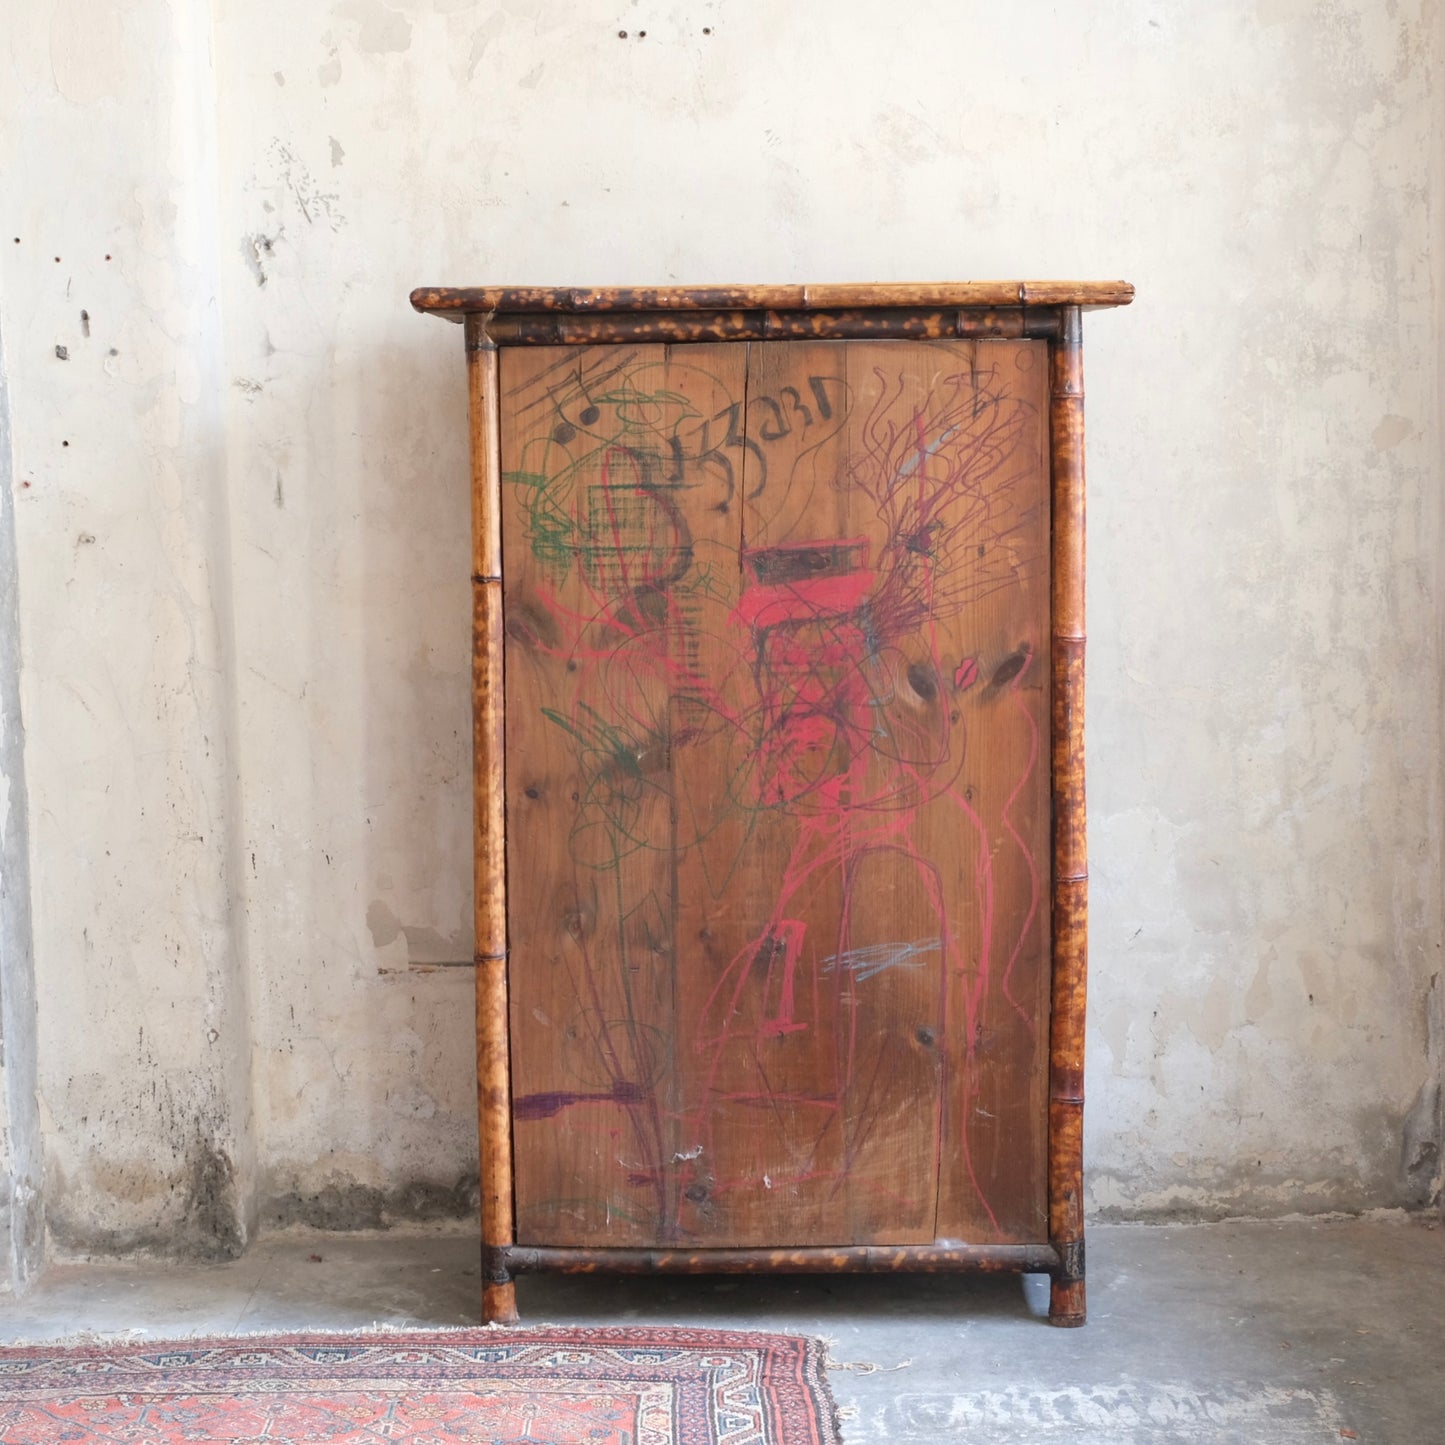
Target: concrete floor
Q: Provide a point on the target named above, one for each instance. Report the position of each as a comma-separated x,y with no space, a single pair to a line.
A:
1281,1333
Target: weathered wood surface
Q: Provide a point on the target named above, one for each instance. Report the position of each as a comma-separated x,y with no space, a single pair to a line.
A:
929,1259
1071,871
459,300
778,792
493,1081
562,328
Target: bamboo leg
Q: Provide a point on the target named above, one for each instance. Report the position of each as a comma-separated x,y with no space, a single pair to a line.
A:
1071,874
499,1302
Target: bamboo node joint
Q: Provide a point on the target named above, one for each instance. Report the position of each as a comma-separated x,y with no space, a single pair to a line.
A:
1071,1260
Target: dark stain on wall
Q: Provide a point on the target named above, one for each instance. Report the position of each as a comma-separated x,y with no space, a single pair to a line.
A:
347,1206
214,1227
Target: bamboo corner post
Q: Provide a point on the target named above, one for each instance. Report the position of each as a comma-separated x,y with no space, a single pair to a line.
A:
1071,873
717,360
499,1300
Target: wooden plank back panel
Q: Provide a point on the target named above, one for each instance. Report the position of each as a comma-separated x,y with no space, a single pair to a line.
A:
600,567
777,798
765,1022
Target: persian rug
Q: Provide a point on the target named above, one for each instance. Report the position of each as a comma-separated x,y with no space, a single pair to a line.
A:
632,1386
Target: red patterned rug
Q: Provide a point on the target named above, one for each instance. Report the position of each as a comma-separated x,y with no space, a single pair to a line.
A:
467,1387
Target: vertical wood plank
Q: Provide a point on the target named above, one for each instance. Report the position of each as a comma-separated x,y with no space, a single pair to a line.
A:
761,1078
993,819
615,465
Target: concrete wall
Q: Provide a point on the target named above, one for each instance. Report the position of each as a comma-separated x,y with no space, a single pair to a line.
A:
22,1233
241,512
1436,211
113,325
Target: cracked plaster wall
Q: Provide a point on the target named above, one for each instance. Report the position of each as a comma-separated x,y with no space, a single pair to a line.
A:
244,590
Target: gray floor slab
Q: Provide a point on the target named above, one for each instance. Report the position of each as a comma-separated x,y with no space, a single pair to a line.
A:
1282,1333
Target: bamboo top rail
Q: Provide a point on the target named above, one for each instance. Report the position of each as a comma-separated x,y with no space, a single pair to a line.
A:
456,302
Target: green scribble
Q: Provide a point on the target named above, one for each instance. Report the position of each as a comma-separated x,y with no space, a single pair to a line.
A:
613,754
551,531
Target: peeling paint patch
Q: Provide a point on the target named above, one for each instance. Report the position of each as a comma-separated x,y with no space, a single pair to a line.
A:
90,59
1391,431
424,945
294,176
256,250
380,31
381,922
482,37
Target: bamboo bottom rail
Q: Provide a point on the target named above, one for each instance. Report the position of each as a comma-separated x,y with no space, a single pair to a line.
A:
869,1259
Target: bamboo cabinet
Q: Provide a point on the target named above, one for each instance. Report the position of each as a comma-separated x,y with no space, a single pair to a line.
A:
781,905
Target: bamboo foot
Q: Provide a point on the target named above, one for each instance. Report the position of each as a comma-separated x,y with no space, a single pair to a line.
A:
499,1304
1066,1303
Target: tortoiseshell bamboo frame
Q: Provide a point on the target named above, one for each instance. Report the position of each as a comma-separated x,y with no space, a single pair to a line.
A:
1049,311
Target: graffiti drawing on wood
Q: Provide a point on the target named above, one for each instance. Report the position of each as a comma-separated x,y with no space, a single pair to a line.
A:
777,791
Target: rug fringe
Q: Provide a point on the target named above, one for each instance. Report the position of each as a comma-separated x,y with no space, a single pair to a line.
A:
137,1335
857,1367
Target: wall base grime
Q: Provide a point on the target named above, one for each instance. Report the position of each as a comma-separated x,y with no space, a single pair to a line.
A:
204,1216
345,1205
